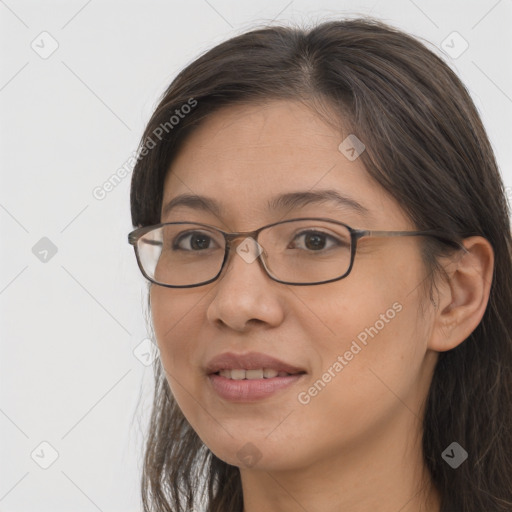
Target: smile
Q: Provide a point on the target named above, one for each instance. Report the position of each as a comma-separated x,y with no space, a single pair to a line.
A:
251,388
263,373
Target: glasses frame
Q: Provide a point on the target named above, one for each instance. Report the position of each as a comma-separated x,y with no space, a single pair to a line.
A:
355,236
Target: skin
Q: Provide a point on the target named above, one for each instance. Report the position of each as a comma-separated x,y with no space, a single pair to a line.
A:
356,445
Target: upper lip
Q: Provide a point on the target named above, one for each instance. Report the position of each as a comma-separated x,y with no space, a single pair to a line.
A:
249,361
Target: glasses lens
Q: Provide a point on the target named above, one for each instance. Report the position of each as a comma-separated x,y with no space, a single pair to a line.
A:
301,251
307,251
181,254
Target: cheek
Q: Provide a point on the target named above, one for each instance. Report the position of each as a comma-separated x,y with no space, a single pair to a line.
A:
370,339
376,302
177,318
366,376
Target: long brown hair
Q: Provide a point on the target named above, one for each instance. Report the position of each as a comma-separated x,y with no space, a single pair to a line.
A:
426,146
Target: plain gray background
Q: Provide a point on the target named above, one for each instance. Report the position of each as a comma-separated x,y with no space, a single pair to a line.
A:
74,367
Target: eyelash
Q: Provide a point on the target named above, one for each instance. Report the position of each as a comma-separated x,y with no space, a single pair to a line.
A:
334,240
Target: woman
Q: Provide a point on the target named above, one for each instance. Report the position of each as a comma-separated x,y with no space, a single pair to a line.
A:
327,238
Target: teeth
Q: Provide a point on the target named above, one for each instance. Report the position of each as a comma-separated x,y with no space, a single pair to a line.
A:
237,374
254,374
262,373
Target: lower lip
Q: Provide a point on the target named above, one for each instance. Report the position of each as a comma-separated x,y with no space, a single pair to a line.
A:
250,390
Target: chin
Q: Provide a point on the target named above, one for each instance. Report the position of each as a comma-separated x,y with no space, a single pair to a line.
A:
253,452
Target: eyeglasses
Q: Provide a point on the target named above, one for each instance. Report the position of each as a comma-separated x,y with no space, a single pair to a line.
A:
303,251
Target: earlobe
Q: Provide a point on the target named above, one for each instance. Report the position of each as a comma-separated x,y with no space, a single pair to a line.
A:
463,294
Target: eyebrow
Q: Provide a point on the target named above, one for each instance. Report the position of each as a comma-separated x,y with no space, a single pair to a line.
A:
288,201
294,200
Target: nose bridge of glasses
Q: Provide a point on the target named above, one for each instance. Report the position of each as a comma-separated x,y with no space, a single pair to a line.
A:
230,237
247,248
241,236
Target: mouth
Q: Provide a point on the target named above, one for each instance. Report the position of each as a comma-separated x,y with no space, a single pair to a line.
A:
262,373
251,376
251,365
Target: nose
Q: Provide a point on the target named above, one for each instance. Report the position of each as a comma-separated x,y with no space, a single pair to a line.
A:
244,294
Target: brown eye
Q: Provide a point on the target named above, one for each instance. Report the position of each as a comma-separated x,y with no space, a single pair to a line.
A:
315,241
195,241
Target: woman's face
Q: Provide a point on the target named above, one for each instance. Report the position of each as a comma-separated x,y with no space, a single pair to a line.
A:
360,342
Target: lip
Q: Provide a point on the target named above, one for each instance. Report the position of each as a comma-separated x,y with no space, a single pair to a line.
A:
254,389
249,361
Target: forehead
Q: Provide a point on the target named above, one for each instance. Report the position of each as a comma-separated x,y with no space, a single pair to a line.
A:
244,156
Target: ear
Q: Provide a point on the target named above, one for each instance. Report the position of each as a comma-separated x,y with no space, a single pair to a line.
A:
463,294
